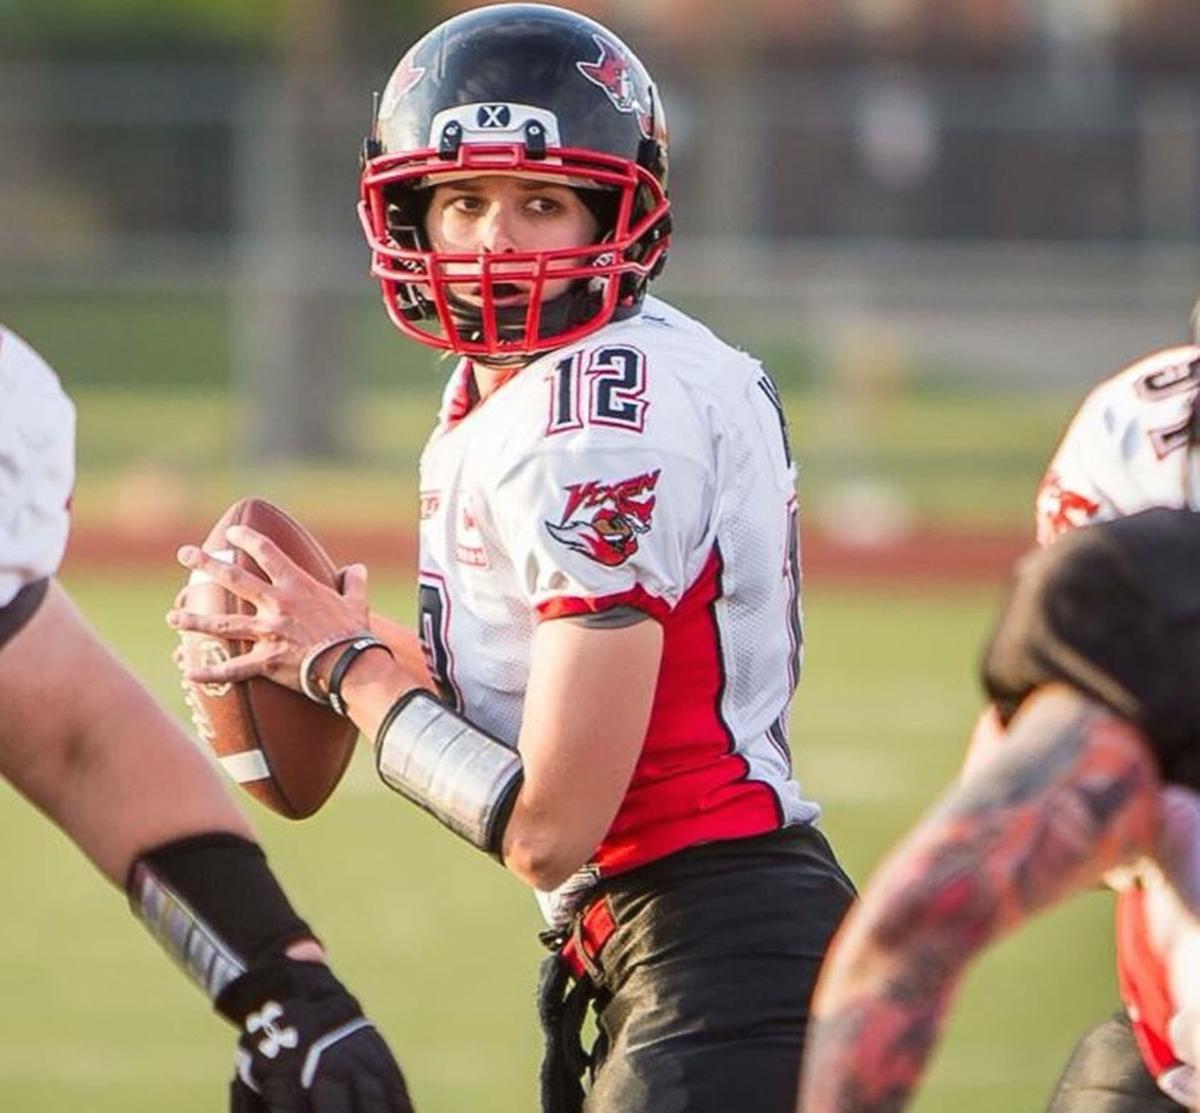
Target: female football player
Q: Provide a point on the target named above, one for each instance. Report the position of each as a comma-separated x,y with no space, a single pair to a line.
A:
608,581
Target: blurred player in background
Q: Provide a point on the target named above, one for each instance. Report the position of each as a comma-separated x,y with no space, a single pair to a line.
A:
84,742
1098,649
609,577
1130,447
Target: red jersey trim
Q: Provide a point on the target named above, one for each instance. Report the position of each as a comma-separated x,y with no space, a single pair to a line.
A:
690,785
562,606
464,399
1142,979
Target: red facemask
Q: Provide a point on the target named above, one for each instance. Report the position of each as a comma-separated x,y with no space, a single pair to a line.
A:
423,289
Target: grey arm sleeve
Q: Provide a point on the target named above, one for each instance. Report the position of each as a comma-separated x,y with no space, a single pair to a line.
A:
462,776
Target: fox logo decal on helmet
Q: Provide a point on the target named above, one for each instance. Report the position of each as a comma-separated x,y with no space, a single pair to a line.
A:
611,72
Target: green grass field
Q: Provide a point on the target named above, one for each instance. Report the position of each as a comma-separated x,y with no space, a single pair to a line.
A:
151,374
955,458
441,943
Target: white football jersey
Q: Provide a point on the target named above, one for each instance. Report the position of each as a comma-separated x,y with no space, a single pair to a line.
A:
1129,449
646,467
37,466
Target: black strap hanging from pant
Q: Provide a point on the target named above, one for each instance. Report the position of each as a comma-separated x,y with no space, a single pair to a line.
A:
562,1006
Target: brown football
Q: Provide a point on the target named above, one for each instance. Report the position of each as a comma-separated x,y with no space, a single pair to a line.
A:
286,751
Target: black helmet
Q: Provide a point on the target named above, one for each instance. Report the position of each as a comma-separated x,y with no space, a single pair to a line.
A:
532,91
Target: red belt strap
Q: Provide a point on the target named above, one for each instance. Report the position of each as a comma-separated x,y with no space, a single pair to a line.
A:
592,930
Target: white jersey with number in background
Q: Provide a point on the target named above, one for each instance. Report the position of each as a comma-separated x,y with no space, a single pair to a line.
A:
646,467
37,467
1129,448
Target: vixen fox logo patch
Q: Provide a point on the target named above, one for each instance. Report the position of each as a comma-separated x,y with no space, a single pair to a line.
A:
603,520
1061,509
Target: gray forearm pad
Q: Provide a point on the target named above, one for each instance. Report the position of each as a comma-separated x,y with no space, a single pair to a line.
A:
465,778
184,936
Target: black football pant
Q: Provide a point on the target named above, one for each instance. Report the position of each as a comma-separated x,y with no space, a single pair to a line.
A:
1105,1074
705,983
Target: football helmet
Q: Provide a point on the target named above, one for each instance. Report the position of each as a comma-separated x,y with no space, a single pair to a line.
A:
533,91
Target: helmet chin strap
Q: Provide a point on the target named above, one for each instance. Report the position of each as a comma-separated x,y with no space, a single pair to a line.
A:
574,305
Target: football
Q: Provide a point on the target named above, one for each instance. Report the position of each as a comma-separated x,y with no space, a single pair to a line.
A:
285,750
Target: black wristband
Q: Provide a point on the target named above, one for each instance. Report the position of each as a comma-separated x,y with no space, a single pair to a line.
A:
214,906
342,666
21,608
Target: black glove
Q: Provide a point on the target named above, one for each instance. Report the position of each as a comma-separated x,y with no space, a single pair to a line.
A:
306,1046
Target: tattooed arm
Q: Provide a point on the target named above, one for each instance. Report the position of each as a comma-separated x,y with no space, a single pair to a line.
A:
1074,792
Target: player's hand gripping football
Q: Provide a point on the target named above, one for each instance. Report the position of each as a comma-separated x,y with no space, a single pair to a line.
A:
306,1046
293,611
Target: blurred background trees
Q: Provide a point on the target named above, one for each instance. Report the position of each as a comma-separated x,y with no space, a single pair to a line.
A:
997,192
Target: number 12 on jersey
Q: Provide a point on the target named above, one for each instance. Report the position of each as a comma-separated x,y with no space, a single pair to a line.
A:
601,387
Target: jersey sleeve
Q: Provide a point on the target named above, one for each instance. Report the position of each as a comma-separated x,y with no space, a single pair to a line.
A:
597,521
37,468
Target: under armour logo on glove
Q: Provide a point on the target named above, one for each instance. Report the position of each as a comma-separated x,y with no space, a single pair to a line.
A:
306,1046
276,1038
